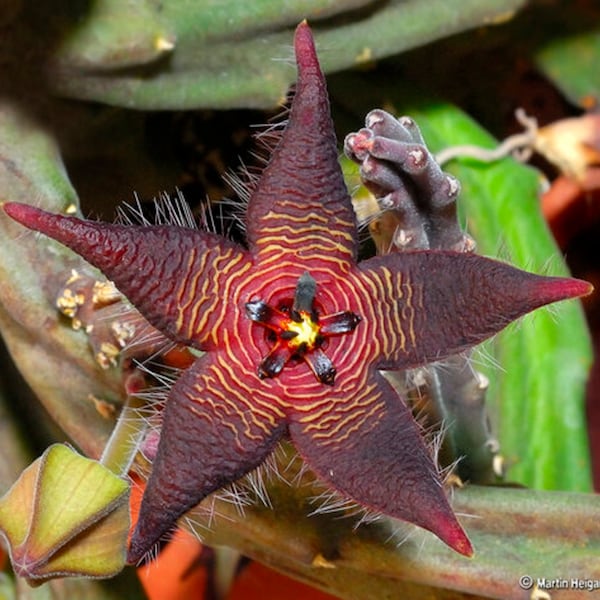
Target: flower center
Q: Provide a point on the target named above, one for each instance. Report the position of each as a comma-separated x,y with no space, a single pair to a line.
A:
305,332
300,332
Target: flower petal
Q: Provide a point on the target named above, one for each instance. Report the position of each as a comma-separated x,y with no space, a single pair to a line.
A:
173,275
369,448
215,430
301,205
440,303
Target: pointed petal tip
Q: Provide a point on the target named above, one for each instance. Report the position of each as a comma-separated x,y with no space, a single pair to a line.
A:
18,212
62,228
156,522
554,289
453,535
460,542
140,546
303,32
304,45
579,288
29,216
135,553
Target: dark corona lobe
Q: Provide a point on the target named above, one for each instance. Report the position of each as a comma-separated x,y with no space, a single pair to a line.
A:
339,324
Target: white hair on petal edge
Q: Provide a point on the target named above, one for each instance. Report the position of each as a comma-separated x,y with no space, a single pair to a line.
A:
252,488
482,356
149,557
175,210
204,516
288,56
151,338
286,465
168,210
330,501
132,213
164,375
269,134
244,180
249,490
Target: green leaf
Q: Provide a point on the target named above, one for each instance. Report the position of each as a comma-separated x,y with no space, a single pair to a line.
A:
537,394
7,588
14,453
225,52
571,62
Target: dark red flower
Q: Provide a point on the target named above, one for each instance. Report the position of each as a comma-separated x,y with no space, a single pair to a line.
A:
295,332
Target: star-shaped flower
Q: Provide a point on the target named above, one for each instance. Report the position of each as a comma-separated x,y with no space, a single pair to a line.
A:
295,332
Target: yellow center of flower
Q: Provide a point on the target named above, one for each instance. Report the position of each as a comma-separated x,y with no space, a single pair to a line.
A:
306,330
297,331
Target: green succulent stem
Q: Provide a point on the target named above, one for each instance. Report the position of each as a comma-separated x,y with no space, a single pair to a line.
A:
515,532
125,439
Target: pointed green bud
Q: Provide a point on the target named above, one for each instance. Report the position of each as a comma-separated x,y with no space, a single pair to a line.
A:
66,515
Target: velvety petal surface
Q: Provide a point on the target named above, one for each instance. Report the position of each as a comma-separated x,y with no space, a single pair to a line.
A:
175,276
370,449
301,205
447,302
213,432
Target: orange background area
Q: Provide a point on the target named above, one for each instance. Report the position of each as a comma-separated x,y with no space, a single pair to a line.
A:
179,574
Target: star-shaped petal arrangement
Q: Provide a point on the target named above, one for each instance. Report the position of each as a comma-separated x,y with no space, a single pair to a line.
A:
295,332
